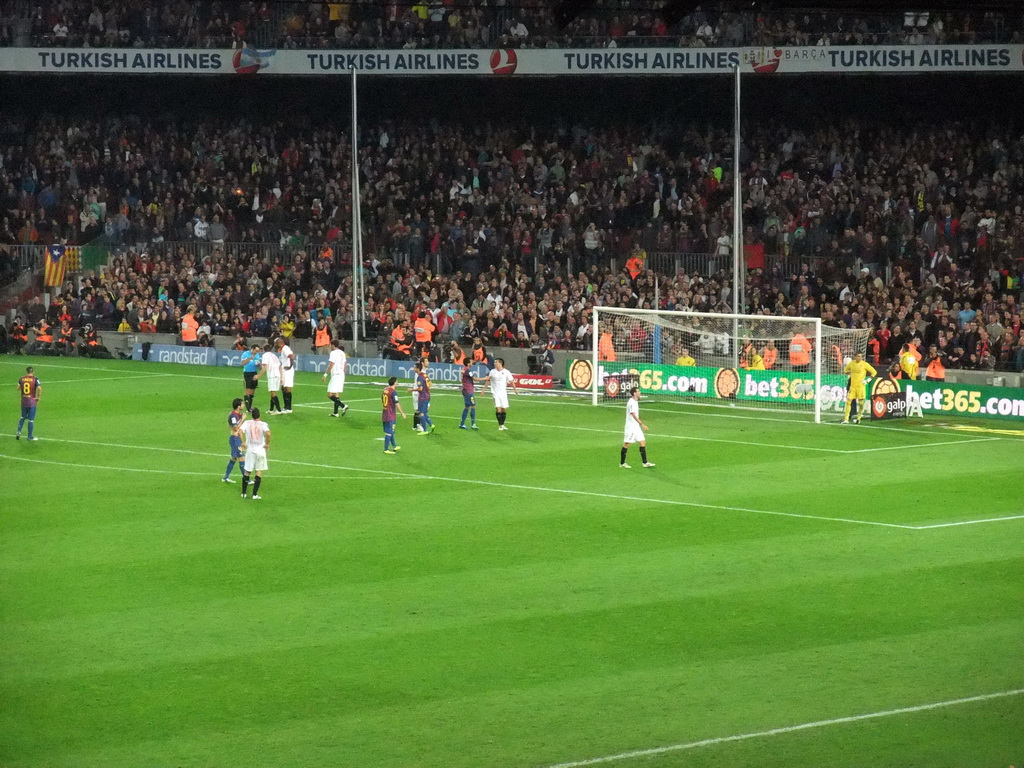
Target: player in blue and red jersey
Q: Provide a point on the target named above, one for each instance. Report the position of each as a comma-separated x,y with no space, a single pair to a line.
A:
389,405
29,388
422,389
235,419
468,397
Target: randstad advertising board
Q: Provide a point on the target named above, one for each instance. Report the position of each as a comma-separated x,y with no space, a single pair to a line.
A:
506,62
368,367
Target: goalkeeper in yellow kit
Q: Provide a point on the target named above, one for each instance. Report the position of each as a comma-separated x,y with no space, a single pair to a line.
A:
859,372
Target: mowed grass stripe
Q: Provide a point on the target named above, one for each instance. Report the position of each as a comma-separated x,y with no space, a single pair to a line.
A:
626,487
292,434
525,720
628,595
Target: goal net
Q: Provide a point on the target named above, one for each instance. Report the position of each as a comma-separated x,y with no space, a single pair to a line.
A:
752,361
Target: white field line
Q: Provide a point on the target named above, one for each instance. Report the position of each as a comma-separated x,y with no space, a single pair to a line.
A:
788,729
968,522
794,420
618,431
329,404
105,378
924,445
540,398
174,472
127,371
798,422
410,476
843,451
495,484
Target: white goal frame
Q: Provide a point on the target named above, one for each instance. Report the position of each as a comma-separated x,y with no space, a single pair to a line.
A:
802,322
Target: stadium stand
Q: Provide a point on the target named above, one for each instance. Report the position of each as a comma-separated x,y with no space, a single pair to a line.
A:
436,24
916,233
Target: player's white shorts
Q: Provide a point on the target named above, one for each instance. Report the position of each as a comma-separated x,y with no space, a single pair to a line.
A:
633,434
255,459
500,399
288,377
274,382
336,384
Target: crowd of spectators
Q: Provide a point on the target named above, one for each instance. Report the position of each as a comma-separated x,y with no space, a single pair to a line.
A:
456,24
973,324
940,208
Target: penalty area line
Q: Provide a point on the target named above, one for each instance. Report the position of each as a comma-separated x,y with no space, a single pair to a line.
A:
788,729
958,523
180,473
923,445
496,484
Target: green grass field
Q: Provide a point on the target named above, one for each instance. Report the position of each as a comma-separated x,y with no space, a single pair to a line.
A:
499,599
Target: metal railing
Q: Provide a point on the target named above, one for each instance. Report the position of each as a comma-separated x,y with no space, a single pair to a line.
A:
674,262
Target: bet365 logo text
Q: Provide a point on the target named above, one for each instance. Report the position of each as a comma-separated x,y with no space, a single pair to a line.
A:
778,388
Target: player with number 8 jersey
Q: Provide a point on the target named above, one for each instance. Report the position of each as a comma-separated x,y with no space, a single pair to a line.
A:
29,388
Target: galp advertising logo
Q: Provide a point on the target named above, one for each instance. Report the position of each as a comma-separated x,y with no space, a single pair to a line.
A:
504,61
249,61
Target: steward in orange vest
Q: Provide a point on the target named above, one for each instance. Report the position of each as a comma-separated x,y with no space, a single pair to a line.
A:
322,336
44,333
605,348
189,328
458,356
66,339
936,370
424,329
401,342
479,350
635,264
799,351
43,345
92,346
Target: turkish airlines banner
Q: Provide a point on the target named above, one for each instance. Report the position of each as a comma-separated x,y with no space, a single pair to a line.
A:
505,62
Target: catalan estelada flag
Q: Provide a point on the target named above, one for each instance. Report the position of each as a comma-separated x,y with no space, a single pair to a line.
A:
53,270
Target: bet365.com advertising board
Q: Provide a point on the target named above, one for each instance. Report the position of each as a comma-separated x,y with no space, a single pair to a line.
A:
937,398
710,383
934,398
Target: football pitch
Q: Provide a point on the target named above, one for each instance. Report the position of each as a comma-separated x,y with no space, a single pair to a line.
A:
772,593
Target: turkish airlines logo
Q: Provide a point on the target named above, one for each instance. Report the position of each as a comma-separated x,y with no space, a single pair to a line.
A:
504,61
767,61
249,61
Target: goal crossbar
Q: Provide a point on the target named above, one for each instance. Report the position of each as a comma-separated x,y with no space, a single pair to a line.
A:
752,361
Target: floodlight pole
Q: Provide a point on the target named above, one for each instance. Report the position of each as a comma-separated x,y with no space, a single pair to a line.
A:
356,245
737,219
737,203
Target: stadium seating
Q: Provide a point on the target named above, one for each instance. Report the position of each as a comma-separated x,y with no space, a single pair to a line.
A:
268,24
240,237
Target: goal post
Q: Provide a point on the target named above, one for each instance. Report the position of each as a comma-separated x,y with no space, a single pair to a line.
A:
742,361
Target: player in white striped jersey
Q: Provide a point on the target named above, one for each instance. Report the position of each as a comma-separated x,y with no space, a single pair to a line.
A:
256,434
